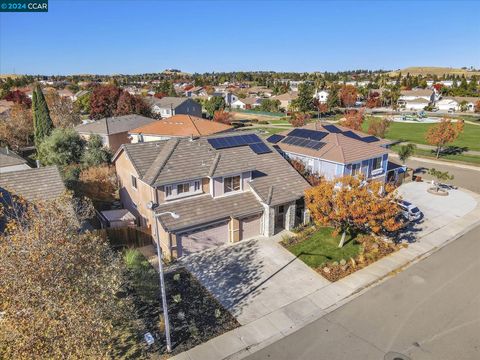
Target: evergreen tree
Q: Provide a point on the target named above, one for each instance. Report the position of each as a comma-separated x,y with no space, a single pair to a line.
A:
42,123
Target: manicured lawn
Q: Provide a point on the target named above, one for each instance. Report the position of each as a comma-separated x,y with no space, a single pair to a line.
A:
321,247
415,133
471,159
271,130
195,316
279,122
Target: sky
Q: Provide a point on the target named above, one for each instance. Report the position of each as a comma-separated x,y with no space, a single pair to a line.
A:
131,37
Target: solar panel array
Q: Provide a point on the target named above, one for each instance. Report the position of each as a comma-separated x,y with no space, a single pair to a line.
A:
306,143
308,134
332,129
252,140
275,138
370,139
352,135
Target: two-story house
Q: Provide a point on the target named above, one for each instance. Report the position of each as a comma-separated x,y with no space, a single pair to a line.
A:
169,106
334,151
225,188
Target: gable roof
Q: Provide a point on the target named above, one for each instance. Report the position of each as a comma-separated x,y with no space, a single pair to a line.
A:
182,125
167,101
43,183
418,92
9,158
287,96
113,125
339,147
168,161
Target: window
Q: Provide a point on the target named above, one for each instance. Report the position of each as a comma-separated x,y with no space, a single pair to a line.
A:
231,183
196,186
183,188
134,182
356,169
168,191
377,163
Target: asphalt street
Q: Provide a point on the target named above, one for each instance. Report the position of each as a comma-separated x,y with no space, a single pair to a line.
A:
431,311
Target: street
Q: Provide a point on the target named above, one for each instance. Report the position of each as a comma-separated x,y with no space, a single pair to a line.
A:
429,311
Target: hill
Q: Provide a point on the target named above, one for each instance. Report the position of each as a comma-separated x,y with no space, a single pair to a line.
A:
434,70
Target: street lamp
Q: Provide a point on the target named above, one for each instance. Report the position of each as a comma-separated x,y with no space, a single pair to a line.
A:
152,206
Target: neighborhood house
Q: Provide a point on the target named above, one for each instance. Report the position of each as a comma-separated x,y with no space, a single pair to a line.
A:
169,106
224,189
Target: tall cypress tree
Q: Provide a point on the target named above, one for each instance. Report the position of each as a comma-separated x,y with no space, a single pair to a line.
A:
42,122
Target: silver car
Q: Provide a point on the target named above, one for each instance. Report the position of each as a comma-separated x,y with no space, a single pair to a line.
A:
409,211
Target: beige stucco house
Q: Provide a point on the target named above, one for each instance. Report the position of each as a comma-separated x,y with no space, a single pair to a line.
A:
225,188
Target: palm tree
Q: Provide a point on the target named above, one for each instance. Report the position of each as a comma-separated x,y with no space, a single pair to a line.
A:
405,152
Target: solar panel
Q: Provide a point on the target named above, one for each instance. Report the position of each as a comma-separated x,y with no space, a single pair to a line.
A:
332,129
275,138
308,134
306,143
352,135
260,148
251,139
370,139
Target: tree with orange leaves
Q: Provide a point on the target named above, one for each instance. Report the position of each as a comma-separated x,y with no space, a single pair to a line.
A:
353,119
348,95
223,117
444,133
299,119
351,204
379,127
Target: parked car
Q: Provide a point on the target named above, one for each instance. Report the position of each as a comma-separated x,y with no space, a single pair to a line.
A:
409,211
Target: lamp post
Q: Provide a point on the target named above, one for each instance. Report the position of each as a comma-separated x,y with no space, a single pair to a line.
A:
152,206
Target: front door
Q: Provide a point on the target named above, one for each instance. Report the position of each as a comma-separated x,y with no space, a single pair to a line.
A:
279,218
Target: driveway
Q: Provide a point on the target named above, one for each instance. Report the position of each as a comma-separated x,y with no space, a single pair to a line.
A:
253,278
439,211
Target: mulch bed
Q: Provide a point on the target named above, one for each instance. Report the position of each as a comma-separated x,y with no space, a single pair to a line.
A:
373,249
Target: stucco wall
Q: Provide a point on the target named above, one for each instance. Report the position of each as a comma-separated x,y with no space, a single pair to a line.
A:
117,140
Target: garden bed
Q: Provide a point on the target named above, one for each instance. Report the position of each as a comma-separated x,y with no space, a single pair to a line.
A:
195,316
318,248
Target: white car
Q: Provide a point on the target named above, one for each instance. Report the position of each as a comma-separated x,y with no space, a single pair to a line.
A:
409,211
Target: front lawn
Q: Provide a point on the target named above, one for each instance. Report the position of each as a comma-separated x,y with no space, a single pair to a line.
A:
415,133
464,158
321,247
195,316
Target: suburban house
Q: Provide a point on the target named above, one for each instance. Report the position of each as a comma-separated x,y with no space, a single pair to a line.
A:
196,92
177,126
228,96
322,96
48,183
417,99
113,130
10,161
457,103
286,99
333,151
223,188
246,103
169,106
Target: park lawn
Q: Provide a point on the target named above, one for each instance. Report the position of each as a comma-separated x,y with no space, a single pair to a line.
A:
415,133
279,122
322,247
465,158
270,130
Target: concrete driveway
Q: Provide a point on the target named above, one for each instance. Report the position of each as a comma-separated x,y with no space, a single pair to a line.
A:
439,211
253,278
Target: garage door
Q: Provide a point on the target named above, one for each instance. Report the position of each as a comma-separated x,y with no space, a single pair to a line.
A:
203,238
250,227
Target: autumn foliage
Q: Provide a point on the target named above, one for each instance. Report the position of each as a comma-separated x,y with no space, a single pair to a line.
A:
299,119
379,127
477,106
98,183
348,95
350,204
444,133
109,100
353,119
18,97
223,117
16,129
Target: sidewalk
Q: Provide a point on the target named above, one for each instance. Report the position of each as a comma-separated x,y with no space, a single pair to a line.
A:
439,162
257,334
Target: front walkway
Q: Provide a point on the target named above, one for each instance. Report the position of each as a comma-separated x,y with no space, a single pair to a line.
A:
283,321
253,278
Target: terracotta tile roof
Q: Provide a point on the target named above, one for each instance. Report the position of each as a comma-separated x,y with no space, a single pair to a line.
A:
338,147
183,126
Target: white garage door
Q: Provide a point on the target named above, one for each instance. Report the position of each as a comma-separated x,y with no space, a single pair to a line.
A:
203,238
250,227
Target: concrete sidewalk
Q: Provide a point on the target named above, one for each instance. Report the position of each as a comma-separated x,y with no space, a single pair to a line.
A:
277,324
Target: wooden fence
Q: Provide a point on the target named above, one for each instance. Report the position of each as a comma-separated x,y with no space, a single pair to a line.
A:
126,237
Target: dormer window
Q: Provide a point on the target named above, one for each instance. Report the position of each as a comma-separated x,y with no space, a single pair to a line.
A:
231,183
183,188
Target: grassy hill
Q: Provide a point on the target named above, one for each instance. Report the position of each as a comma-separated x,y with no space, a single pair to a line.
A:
433,70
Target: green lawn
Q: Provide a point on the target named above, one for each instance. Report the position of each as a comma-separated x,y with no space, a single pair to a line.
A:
415,133
270,130
470,159
322,247
279,122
